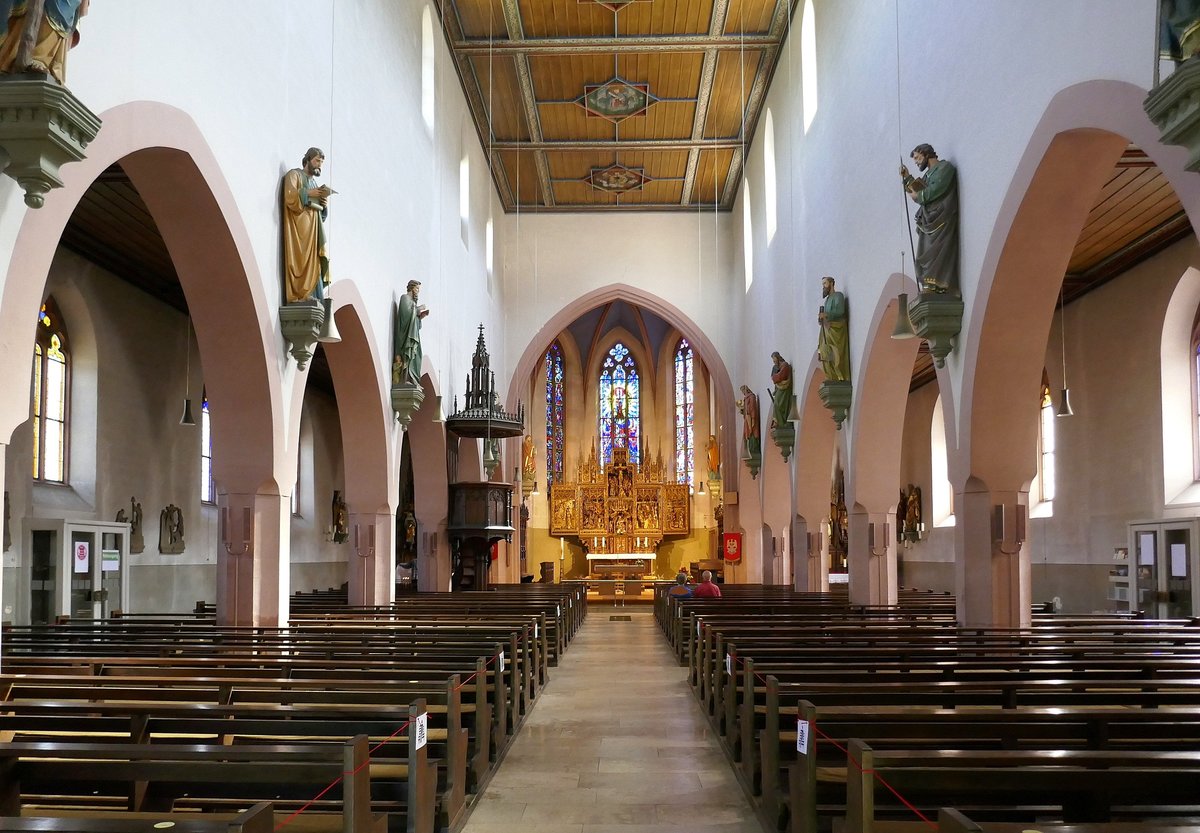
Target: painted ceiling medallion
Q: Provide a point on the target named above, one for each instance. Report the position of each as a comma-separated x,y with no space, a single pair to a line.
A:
617,179
616,99
614,5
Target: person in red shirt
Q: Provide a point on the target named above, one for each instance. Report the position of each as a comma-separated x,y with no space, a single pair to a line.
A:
706,589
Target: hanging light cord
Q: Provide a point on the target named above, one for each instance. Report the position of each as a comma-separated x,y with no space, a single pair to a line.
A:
187,346
1062,330
900,142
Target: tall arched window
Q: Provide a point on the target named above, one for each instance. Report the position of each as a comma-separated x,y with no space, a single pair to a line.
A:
208,492
620,408
1042,490
51,396
555,414
942,495
770,184
428,57
685,411
808,63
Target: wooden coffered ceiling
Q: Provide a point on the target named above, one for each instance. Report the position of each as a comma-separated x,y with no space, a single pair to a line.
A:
616,104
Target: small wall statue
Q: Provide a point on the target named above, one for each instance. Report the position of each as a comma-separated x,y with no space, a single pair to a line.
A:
38,34
305,209
341,519
751,432
1179,37
406,347
170,530
936,196
714,458
528,460
781,397
909,526
833,342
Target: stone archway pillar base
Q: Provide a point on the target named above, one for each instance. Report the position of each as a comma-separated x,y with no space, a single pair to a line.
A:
872,558
253,580
992,577
371,573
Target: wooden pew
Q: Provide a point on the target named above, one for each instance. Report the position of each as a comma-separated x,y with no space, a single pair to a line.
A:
258,819
1084,785
153,777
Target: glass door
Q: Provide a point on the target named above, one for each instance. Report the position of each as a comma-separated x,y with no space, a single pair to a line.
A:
84,556
1164,568
108,573
43,580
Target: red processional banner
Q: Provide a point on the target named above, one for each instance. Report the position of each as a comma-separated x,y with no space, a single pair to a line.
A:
731,546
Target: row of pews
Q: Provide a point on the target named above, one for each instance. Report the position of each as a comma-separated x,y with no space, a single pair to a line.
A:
844,717
350,720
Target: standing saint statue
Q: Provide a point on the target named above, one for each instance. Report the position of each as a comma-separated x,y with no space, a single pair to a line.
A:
528,461
305,209
1180,35
38,34
833,342
406,342
781,397
751,436
714,458
936,195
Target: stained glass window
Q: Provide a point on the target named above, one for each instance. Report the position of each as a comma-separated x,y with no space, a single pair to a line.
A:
208,492
685,412
620,407
555,414
51,395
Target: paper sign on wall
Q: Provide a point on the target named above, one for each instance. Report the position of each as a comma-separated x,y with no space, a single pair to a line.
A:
110,560
802,736
82,559
421,733
729,665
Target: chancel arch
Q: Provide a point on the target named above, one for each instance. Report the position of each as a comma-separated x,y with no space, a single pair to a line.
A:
657,514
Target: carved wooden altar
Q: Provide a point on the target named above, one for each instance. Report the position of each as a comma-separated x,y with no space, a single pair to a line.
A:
620,508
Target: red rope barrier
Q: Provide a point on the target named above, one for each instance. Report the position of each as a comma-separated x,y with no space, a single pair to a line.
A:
738,660
342,777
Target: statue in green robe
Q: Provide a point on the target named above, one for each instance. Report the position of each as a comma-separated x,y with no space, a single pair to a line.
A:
1179,38
833,341
936,195
781,397
406,361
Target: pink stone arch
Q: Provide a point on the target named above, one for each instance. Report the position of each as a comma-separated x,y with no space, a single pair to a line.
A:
175,171
1069,155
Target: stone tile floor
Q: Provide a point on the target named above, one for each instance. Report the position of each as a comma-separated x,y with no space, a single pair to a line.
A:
615,744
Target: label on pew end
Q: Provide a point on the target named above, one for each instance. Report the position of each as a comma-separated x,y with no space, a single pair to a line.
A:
535,630
558,610
421,731
802,736
501,662
729,665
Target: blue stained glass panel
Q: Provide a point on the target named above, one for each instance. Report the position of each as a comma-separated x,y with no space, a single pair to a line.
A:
685,445
555,414
620,404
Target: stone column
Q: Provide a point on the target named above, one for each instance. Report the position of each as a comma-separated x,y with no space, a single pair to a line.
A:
371,571
992,577
253,547
872,557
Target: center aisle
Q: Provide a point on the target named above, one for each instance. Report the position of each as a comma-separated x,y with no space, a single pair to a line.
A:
615,744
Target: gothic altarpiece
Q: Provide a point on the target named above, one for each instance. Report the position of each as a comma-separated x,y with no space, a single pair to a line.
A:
620,512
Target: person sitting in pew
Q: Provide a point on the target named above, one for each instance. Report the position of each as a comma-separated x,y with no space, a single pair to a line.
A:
706,589
681,589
